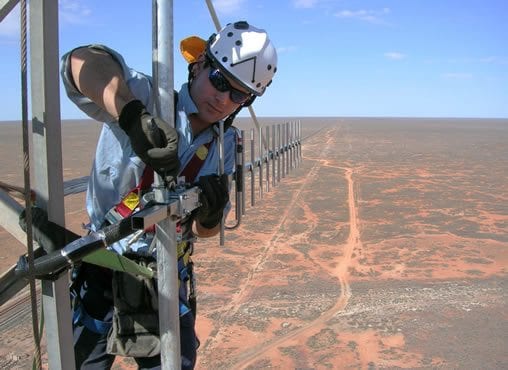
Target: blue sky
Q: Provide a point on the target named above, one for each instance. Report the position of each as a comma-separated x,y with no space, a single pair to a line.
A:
374,58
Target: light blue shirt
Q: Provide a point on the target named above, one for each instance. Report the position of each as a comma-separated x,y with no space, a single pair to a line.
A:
116,168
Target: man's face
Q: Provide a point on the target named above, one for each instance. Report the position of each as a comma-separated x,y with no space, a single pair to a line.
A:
213,105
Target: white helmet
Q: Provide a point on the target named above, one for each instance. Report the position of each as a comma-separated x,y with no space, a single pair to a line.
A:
245,54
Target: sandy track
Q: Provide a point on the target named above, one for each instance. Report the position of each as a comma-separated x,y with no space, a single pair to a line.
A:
279,233
341,273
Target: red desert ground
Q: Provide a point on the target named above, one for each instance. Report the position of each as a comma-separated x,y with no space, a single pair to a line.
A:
387,247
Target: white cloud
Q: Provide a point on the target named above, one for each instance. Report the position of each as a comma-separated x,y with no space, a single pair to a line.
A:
74,12
491,59
228,6
371,16
457,76
494,60
394,55
306,4
286,49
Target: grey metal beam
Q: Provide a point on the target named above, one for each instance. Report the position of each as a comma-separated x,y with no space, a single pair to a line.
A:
9,214
10,209
6,7
47,165
162,66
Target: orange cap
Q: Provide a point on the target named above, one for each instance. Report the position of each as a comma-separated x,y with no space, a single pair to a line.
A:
192,47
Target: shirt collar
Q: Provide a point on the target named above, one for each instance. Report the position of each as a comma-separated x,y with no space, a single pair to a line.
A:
185,101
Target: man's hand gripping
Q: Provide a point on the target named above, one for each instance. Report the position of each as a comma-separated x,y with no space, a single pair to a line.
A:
152,139
214,197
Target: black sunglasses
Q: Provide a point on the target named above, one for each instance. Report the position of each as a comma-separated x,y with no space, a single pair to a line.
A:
219,81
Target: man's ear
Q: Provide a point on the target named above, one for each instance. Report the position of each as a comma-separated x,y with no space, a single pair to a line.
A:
197,65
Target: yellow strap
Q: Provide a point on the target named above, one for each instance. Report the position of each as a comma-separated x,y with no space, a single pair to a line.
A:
183,252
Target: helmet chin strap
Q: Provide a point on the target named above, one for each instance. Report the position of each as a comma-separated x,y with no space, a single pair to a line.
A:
229,120
249,102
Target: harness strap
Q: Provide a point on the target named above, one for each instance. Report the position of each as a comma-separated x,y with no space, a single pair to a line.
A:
80,316
196,162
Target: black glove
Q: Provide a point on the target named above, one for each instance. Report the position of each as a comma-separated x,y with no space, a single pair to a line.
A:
152,139
49,235
213,197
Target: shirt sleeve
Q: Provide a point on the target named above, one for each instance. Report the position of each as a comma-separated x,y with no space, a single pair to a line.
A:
140,85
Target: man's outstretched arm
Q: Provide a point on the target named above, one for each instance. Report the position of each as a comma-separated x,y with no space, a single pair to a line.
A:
98,76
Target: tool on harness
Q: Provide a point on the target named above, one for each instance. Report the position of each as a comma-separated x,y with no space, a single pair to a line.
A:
131,201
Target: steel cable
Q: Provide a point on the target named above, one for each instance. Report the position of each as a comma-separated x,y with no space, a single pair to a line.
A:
28,193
